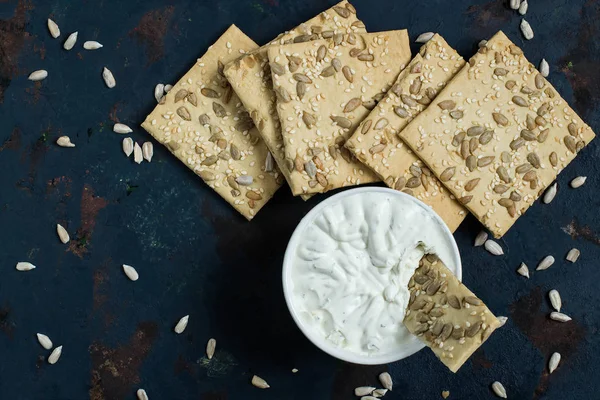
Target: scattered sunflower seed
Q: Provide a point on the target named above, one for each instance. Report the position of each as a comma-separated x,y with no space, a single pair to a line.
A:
523,270
553,363
502,320
141,394
549,194
55,355
92,45
294,370
127,146
182,324
445,394
130,272
481,238
138,157
526,30
64,141
109,78
38,75
168,88
44,341
560,317
544,68
210,348
386,380
363,391
269,163
545,263
70,42
148,151
62,234
159,92
573,255
25,266
260,382
368,398
499,389
379,392
578,182
424,37
53,28
514,4
555,299
493,247
121,128
523,7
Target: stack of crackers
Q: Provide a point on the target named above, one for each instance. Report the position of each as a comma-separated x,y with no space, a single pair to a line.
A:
327,105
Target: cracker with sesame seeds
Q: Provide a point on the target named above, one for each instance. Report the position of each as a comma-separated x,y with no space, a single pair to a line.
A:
250,76
386,154
324,90
203,123
515,134
445,315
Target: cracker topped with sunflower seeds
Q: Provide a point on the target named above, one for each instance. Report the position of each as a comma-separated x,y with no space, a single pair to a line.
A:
250,75
203,123
324,90
386,154
445,314
515,134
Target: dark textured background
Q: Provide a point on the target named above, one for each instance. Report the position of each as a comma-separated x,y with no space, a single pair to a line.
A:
197,256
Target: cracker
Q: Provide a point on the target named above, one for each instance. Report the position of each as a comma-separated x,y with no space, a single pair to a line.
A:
386,154
203,123
516,134
445,314
250,76
342,83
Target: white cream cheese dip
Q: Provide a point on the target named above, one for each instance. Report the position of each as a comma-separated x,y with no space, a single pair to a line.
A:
351,267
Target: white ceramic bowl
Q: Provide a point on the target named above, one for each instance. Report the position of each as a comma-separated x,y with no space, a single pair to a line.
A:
415,344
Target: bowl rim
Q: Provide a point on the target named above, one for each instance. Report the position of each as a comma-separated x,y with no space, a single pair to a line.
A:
322,344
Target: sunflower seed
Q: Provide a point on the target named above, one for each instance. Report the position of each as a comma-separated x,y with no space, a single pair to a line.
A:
543,135
480,238
53,28
560,317
578,182
148,151
521,169
70,42
301,78
244,180
401,112
514,4
553,159
447,174
108,77
168,88
499,390
92,45
25,266
210,348
55,355
415,87
386,381
523,7
352,104
471,163
342,122
141,394
544,68
138,157
447,105
259,382
485,161
472,184
526,29
465,199
382,123
368,398
500,72
182,324
342,11
553,363
555,299
378,393
366,57
518,100
159,91
500,119
570,143
502,321
549,195
128,146
64,141
545,263
493,248
44,341
523,270
363,391
573,255
517,143
131,272
38,75
62,234
424,37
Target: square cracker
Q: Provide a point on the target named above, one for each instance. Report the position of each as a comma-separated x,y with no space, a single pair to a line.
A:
342,83
250,76
386,154
203,123
514,136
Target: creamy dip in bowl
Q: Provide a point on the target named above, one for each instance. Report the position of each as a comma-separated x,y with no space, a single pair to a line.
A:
347,266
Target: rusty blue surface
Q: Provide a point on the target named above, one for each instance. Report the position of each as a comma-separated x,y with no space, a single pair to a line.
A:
197,256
